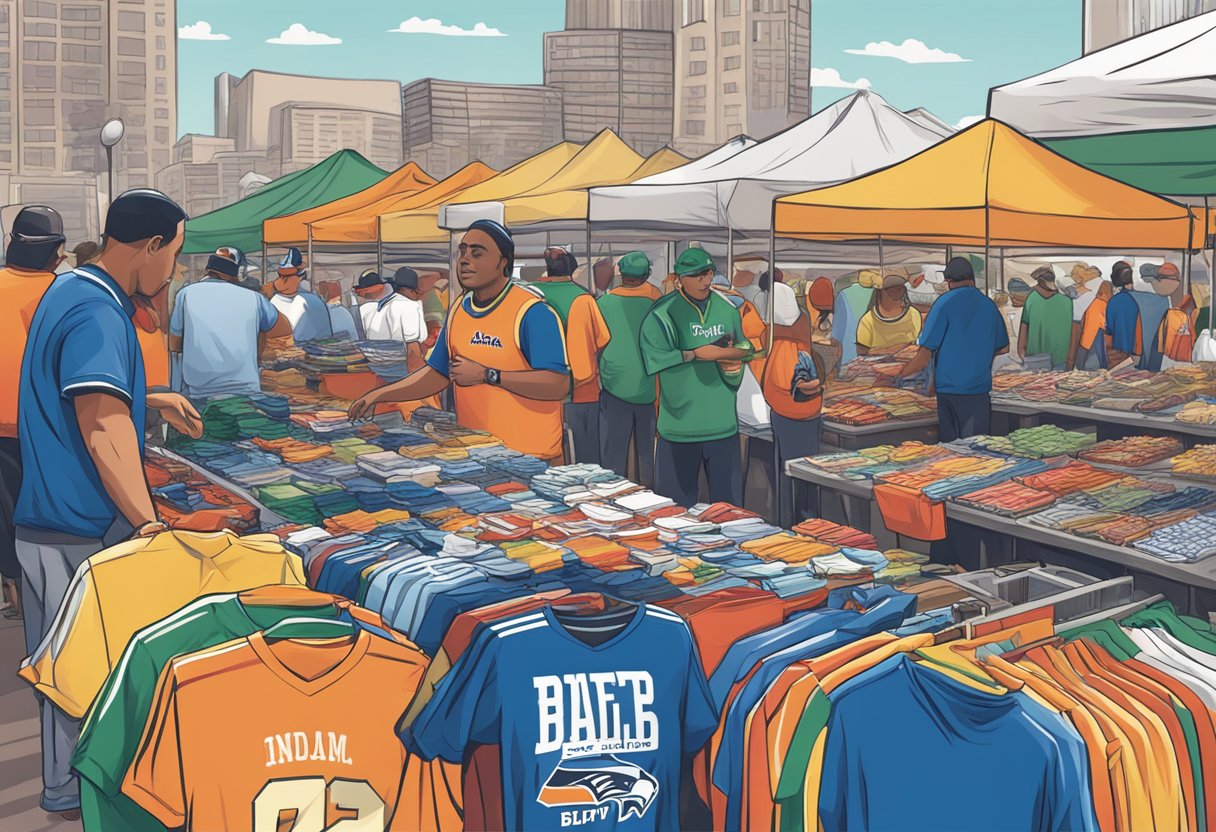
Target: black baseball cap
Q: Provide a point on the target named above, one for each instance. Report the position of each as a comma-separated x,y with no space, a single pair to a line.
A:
959,269
368,279
36,235
405,278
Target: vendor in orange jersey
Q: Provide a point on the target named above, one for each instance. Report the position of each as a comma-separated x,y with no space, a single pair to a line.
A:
503,349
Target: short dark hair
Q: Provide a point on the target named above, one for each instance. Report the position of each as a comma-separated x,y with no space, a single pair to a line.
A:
141,215
1121,274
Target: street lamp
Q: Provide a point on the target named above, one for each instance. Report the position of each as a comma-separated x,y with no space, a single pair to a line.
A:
111,134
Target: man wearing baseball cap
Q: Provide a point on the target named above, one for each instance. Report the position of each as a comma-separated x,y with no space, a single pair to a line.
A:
586,335
963,333
306,312
627,398
388,315
693,340
216,327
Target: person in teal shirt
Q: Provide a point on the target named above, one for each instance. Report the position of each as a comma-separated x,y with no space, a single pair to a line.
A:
693,340
627,391
1046,321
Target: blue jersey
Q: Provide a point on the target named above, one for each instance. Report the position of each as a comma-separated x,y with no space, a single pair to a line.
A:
591,737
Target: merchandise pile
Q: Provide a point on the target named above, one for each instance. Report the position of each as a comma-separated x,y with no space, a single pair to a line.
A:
1197,463
1132,451
1127,390
1034,443
876,405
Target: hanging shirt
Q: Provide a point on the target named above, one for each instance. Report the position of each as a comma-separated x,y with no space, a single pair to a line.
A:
308,314
393,318
593,736
964,330
586,334
1048,324
1123,322
81,340
696,398
219,324
311,743
126,587
622,372
1014,765
21,291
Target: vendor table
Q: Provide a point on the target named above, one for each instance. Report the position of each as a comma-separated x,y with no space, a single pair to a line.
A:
855,437
980,539
267,519
1111,424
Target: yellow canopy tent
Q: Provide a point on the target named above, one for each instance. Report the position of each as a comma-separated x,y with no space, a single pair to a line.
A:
419,225
661,160
991,186
293,228
360,224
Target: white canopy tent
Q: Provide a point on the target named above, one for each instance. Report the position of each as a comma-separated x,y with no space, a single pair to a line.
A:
1162,80
854,136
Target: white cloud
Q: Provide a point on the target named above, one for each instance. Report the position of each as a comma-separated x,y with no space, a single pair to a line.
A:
828,77
967,121
297,34
199,31
911,51
435,26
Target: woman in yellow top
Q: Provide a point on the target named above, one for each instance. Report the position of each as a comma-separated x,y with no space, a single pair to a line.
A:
892,322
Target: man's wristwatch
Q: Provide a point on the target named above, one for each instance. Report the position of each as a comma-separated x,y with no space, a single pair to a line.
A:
493,377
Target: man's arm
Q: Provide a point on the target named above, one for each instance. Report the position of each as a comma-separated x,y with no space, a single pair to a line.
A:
110,437
175,343
542,385
1074,344
1023,336
417,385
281,327
917,363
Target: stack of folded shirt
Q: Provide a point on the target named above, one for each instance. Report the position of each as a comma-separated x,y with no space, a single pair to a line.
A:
787,547
323,421
1185,542
901,565
293,450
276,407
747,528
386,466
325,469
643,502
720,513
330,499
364,521
286,379
1009,499
333,355
538,555
352,447
1132,451
1075,476
792,584
825,531
291,502
601,553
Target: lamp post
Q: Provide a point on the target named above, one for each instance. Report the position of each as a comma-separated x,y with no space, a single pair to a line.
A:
111,134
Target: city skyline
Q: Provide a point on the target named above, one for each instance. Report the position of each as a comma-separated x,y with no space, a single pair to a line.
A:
942,55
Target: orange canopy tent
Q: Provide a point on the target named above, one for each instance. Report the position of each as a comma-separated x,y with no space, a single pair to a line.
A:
293,228
362,223
991,186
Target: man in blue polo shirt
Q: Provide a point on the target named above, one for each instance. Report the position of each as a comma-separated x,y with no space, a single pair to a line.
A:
963,333
80,420
1123,317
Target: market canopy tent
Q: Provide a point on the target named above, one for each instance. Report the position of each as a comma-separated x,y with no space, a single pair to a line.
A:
990,185
856,135
407,180
362,224
1142,111
240,224
421,224
661,160
559,202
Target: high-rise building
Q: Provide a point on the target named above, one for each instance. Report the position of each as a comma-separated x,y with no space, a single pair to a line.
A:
451,123
68,66
309,133
1107,22
741,67
613,65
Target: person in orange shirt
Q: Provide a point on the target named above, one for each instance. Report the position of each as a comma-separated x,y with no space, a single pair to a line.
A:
1092,340
503,349
35,250
586,335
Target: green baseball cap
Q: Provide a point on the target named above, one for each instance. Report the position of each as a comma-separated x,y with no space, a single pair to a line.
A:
634,264
693,261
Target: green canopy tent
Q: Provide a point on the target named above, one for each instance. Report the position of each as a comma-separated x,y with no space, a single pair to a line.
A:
240,224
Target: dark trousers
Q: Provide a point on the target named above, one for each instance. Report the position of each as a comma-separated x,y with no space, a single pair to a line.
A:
10,487
677,470
960,416
794,439
583,422
621,421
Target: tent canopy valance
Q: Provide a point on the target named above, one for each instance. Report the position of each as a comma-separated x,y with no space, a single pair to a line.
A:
240,224
990,185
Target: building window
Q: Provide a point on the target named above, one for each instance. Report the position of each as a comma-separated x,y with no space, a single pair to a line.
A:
696,44
160,43
160,62
39,30
130,21
694,127
730,8
696,67
161,86
34,8
162,135
695,92
39,157
730,38
131,47
730,88
77,54
82,32
38,78
694,11
80,13
757,5
162,113
40,51
732,62
160,19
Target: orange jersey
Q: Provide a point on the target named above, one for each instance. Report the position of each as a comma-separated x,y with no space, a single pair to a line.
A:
21,290
251,732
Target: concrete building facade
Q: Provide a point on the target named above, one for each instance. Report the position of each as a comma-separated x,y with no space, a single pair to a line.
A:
741,67
448,124
1107,22
309,133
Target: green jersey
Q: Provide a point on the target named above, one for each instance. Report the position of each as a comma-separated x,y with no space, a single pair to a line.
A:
696,398
1048,326
560,294
113,727
622,371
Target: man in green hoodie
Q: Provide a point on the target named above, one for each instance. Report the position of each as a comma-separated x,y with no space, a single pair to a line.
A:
692,339
628,394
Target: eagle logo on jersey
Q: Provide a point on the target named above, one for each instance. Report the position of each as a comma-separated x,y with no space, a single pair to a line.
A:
480,339
596,782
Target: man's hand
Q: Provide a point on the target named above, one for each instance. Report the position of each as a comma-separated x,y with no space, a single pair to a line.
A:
364,407
810,387
466,373
176,409
712,352
731,366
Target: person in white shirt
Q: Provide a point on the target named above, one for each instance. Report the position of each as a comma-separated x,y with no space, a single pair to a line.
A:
388,315
307,312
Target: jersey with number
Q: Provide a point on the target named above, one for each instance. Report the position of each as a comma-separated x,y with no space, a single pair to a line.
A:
590,736
251,734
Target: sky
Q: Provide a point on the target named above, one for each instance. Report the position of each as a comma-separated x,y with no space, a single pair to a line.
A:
940,54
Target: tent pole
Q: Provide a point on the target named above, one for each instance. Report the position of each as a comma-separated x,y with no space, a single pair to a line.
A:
1001,252
882,262
310,246
590,265
772,281
730,254
265,269
1211,264
453,294
379,245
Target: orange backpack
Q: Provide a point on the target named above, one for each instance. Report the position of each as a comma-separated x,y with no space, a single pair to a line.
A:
1177,340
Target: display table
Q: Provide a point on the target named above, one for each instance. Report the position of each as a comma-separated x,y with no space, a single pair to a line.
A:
855,437
267,518
1111,424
